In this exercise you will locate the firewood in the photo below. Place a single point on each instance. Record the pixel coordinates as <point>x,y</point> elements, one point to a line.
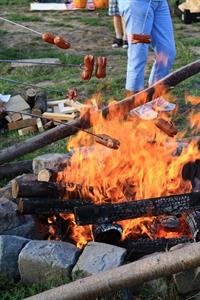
<point>15,117</point>
<point>17,104</point>
<point>30,97</point>
<point>57,116</point>
<point>36,189</point>
<point>27,130</point>
<point>141,247</point>
<point>48,206</point>
<point>22,124</point>
<point>40,105</point>
<point>128,275</point>
<point>47,175</point>
<point>16,168</point>
<point>121,108</point>
<point>97,214</point>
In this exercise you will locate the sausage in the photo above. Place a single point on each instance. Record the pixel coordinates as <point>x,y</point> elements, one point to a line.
<point>100,71</point>
<point>88,67</point>
<point>107,141</point>
<point>48,37</point>
<point>61,43</point>
<point>141,38</point>
<point>166,126</point>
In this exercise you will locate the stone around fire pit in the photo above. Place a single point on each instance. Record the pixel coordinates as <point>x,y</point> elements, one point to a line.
<point>13,224</point>
<point>98,257</point>
<point>52,161</point>
<point>10,247</point>
<point>40,260</point>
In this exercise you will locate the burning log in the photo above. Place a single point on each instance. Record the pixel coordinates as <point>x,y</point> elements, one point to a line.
<point>193,221</point>
<point>97,214</point>
<point>107,233</point>
<point>36,189</point>
<point>16,168</point>
<point>129,275</point>
<point>46,206</point>
<point>123,106</point>
<point>142,247</point>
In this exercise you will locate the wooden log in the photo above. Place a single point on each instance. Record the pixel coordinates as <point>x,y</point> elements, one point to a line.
<point>36,189</point>
<point>125,105</point>
<point>14,169</point>
<point>30,97</point>
<point>141,247</point>
<point>27,130</point>
<point>22,124</point>
<point>33,188</point>
<point>47,175</point>
<point>97,214</point>
<point>40,105</point>
<point>46,206</point>
<point>128,275</point>
<point>193,221</point>
<point>58,116</point>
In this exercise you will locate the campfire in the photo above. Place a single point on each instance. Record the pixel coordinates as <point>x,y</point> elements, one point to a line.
<point>142,196</point>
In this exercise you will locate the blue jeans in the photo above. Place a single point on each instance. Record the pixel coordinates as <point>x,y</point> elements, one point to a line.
<point>159,25</point>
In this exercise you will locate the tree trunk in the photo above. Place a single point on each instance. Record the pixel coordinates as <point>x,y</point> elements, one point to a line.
<point>16,168</point>
<point>129,275</point>
<point>48,206</point>
<point>122,107</point>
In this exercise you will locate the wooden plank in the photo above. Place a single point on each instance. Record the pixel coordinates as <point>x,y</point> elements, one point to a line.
<point>21,124</point>
<point>33,62</point>
<point>16,117</point>
<point>47,6</point>
<point>17,104</point>
<point>58,116</point>
<point>66,109</point>
<point>27,130</point>
<point>56,102</point>
<point>39,125</point>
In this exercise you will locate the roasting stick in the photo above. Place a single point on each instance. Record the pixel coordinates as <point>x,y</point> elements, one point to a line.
<point>47,37</point>
<point>18,61</point>
<point>102,139</point>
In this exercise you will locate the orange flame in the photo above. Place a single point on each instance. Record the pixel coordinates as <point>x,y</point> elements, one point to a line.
<point>143,167</point>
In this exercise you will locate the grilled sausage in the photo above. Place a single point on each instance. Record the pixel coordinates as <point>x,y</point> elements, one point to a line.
<point>100,71</point>
<point>88,67</point>
<point>48,37</point>
<point>61,43</point>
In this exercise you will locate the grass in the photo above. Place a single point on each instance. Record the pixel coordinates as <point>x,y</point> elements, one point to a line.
<point>10,290</point>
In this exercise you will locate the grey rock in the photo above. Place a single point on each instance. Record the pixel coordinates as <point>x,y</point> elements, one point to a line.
<point>97,257</point>
<point>187,281</point>
<point>10,247</point>
<point>11,223</point>
<point>53,161</point>
<point>40,260</point>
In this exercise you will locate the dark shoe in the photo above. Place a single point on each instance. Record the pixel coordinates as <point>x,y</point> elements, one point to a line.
<point>117,43</point>
<point>125,45</point>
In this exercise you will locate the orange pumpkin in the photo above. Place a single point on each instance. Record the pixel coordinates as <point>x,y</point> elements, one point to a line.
<point>80,3</point>
<point>100,3</point>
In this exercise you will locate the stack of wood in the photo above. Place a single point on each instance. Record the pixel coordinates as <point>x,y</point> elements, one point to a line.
<point>35,103</point>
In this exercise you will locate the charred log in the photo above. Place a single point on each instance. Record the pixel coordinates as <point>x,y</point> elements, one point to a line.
<point>142,247</point>
<point>192,219</point>
<point>98,214</point>
<point>107,233</point>
<point>40,105</point>
<point>46,206</point>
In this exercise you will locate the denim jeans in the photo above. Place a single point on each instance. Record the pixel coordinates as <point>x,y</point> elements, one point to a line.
<point>159,25</point>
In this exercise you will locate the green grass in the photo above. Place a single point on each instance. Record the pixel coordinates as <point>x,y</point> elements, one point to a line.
<point>10,290</point>
<point>24,18</point>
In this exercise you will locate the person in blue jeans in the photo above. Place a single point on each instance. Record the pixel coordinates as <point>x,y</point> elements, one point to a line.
<point>148,17</point>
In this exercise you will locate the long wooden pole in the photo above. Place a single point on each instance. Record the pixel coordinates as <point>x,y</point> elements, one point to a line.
<point>129,275</point>
<point>122,107</point>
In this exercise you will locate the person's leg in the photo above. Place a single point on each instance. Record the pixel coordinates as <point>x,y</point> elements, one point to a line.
<point>162,42</point>
<point>113,10</point>
<point>134,13</point>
